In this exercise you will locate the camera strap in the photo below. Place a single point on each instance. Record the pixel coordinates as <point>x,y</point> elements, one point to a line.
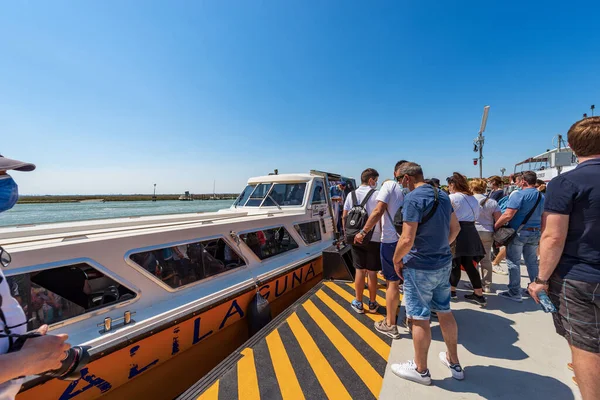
<point>6,333</point>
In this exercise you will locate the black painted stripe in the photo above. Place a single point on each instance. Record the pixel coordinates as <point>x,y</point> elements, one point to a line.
<point>376,361</point>
<point>306,377</point>
<point>228,385</point>
<point>353,383</point>
<point>268,385</point>
<point>366,321</point>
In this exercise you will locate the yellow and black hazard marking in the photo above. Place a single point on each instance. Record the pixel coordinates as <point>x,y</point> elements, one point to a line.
<point>318,349</point>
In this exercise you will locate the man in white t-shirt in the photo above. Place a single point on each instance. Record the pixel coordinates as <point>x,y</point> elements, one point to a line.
<point>389,200</point>
<point>365,258</point>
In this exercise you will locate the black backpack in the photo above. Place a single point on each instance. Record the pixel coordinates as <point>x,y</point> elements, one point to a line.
<point>397,221</point>
<point>357,218</point>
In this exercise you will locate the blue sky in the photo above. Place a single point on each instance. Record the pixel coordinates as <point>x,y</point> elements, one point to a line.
<point>113,96</point>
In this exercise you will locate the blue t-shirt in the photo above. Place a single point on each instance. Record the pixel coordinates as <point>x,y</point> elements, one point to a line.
<point>577,193</point>
<point>523,201</point>
<point>431,249</point>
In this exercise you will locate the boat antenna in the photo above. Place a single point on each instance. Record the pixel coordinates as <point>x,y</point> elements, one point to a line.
<point>592,107</point>
<point>480,139</point>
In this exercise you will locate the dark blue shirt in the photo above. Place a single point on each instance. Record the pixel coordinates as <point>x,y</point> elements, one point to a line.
<point>431,249</point>
<point>497,194</point>
<point>524,201</point>
<point>577,193</point>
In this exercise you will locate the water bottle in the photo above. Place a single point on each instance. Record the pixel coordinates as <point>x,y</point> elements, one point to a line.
<point>545,302</point>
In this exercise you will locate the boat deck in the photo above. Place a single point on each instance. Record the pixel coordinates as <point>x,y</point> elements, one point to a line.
<point>319,348</point>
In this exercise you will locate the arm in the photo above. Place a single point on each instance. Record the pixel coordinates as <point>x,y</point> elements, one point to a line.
<point>405,243</point>
<point>497,215</point>
<point>38,355</point>
<point>508,215</point>
<point>344,215</point>
<point>454,228</point>
<point>552,243</point>
<point>374,218</point>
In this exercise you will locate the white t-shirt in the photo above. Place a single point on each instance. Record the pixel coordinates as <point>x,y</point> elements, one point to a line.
<point>390,194</point>
<point>14,316</point>
<point>361,193</point>
<point>465,207</point>
<point>485,221</point>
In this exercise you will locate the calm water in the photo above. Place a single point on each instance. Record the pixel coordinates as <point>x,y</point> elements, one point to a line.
<point>60,212</point>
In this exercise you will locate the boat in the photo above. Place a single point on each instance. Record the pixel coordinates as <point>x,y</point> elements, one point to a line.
<point>551,163</point>
<point>186,196</point>
<point>158,301</point>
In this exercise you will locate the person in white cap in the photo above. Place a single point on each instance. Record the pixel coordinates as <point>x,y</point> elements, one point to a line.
<point>39,354</point>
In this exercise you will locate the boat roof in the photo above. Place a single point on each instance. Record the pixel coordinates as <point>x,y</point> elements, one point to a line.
<point>543,157</point>
<point>283,178</point>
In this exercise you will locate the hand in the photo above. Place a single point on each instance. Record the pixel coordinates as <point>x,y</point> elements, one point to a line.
<point>358,239</point>
<point>398,267</point>
<point>534,289</point>
<point>44,353</point>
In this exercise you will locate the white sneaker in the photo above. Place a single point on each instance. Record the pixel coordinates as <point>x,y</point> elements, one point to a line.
<point>408,370</point>
<point>456,369</point>
<point>499,270</point>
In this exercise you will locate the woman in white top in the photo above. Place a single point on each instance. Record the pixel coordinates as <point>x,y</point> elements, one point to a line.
<point>489,212</point>
<point>469,249</point>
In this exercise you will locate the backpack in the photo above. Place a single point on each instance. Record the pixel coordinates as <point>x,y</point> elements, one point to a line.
<point>398,220</point>
<point>357,219</point>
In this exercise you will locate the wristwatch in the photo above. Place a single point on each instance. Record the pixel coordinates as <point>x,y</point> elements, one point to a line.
<point>362,232</point>
<point>541,282</point>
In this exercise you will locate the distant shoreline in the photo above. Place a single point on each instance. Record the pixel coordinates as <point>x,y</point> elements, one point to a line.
<point>36,199</point>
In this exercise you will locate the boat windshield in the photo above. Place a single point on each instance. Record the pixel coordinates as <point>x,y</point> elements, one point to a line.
<point>272,195</point>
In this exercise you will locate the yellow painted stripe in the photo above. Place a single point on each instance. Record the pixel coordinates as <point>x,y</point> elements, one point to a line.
<point>286,377</point>
<point>368,335</point>
<point>247,379</point>
<point>360,365</point>
<point>347,296</point>
<point>212,393</point>
<point>330,382</point>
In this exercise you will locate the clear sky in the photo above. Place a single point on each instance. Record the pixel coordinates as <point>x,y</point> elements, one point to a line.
<point>113,96</point>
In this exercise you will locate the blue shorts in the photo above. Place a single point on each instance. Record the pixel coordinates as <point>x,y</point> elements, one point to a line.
<point>387,262</point>
<point>426,291</point>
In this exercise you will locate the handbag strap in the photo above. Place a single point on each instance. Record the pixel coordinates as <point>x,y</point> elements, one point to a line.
<point>530,212</point>
<point>436,201</point>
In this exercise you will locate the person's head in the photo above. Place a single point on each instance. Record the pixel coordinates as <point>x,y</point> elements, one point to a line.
<point>478,186</point>
<point>435,182</point>
<point>529,179</point>
<point>342,185</point>
<point>409,174</point>
<point>542,188</point>
<point>495,181</point>
<point>369,177</point>
<point>539,183</point>
<point>584,137</point>
<point>517,179</point>
<point>457,183</point>
<point>9,191</point>
<point>397,167</point>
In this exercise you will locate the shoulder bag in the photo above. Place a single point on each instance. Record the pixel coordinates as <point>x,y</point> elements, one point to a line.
<point>504,235</point>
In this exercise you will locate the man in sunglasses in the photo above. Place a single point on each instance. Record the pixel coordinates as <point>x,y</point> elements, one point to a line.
<point>39,354</point>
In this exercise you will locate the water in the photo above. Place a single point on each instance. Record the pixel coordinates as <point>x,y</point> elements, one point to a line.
<point>60,212</point>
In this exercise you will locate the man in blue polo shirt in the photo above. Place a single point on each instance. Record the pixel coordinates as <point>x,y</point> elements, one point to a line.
<point>525,244</point>
<point>570,255</point>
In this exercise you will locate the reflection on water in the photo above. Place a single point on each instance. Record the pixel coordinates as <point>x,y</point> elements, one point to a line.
<point>59,212</point>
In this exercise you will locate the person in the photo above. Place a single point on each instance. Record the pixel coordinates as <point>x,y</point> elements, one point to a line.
<point>496,185</point>
<point>469,249</point>
<point>424,259</point>
<point>525,243</point>
<point>365,257</point>
<point>38,354</point>
<point>489,212</point>
<point>570,255</point>
<point>389,201</point>
<point>338,195</point>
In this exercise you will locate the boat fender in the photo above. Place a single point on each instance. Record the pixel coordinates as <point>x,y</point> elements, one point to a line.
<point>259,313</point>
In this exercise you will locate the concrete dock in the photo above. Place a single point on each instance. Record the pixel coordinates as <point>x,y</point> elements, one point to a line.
<point>508,350</point>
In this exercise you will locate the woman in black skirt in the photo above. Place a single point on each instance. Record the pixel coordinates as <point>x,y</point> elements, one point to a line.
<point>468,250</point>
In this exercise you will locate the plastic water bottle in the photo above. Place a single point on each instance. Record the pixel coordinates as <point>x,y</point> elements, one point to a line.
<point>545,302</point>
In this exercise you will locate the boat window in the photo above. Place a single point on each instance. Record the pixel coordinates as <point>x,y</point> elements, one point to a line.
<point>257,196</point>
<point>318,196</point>
<point>269,242</point>
<point>310,231</point>
<point>241,200</point>
<point>187,263</point>
<point>286,194</point>
<point>57,294</point>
